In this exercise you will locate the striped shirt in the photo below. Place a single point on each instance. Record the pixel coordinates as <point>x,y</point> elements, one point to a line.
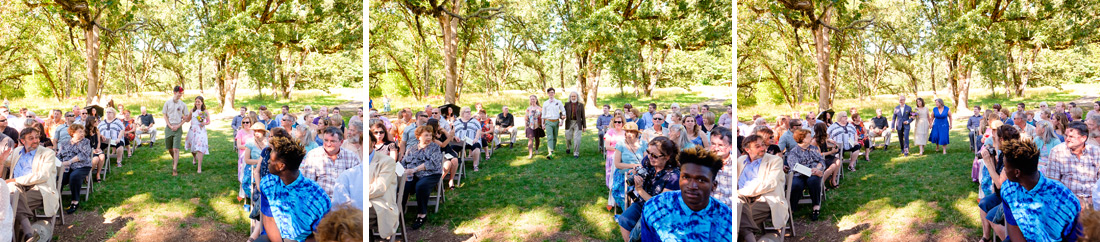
<point>725,192</point>
<point>111,130</point>
<point>1079,174</point>
<point>467,129</point>
<point>318,167</point>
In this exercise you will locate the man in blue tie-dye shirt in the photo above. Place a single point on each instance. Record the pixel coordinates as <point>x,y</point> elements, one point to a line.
<point>292,204</point>
<point>689,214</point>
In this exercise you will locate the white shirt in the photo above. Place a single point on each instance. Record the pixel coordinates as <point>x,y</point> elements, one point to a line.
<point>174,110</point>
<point>552,109</point>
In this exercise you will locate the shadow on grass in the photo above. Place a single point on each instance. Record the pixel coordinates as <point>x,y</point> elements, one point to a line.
<point>513,198</point>
<point>907,198</point>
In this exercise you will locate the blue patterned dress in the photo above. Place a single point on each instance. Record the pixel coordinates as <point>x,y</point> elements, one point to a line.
<point>1048,212</point>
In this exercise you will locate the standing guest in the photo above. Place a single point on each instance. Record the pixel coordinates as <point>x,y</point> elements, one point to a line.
<point>1045,140</point>
<point>759,187</point>
<point>61,131</point>
<point>1075,163</point>
<point>614,136</point>
<point>628,155</point>
<point>655,130</point>
<point>727,119</point>
<point>33,182</point>
<point>324,165</point>
<point>662,175</point>
<point>921,125</point>
<point>1035,207</point>
<point>76,155</point>
<point>808,155</point>
<point>1092,123</point>
<point>110,134</point>
<point>196,136</point>
<point>695,114</point>
<point>505,124</point>
<point>55,119</point>
<point>423,170</point>
<point>534,124</point>
<point>689,214</point>
<point>845,135</point>
<point>174,115</point>
<point>574,124</point>
<point>292,205</point>
<point>902,115</point>
<point>486,133</point>
<point>721,140</point>
<point>236,124</point>
<point>972,127</point>
<point>146,120</point>
<point>602,122</point>
<point>941,126</point>
<point>695,132</point>
<point>880,127</point>
<point>552,111</point>
<point>382,210</point>
<point>647,118</point>
<point>380,142</point>
<point>354,142</point>
<point>242,140</point>
<point>467,138</point>
<point>708,122</point>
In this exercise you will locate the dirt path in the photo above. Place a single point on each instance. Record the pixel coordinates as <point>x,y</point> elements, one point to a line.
<point>92,226</point>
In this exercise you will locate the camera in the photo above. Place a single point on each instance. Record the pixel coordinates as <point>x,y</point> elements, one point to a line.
<point>638,171</point>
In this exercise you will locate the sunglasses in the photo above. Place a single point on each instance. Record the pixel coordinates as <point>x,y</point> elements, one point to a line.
<point>246,122</point>
<point>658,119</point>
<point>423,116</point>
<point>68,116</point>
<point>655,156</point>
<point>379,132</point>
<point>618,122</point>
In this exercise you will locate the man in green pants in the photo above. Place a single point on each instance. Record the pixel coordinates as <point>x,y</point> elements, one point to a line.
<point>552,112</point>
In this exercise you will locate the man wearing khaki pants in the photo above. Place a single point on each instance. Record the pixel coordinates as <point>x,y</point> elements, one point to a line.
<point>174,114</point>
<point>551,118</point>
<point>574,124</point>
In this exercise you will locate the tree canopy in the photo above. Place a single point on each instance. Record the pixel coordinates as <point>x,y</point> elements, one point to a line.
<point>832,49</point>
<point>64,48</point>
<point>421,48</point>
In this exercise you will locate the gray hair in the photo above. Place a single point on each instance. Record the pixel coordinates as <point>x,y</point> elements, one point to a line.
<point>1095,119</point>
<point>356,125</point>
<point>683,140</point>
<point>760,121</point>
<point>1048,131</point>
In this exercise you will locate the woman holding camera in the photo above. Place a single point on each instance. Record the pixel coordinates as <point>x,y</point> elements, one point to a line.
<point>808,155</point>
<point>628,155</point>
<point>660,172</point>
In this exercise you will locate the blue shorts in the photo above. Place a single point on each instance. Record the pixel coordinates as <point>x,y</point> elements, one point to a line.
<point>991,205</point>
<point>630,216</point>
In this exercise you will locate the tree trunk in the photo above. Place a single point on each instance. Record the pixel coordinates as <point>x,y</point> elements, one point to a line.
<point>821,44</point>
<point>49,78</point>
<point>582,73</point>
<point>1027,72</point>
<point>448,25</point>
<point>91,61</point>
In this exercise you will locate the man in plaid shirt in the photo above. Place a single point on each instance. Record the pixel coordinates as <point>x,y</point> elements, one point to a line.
<point>720,144</point>
<point>325,164</point>
<point>1075,163</point>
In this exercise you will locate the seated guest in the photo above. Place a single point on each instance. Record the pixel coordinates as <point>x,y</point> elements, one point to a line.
<point>662,175</point>
<point>33,185</point>
<point>677,133</point>
<point>146,122</point>
<point>128,134</point>
<point>1075,163</point>
<point>628,155</point>
<point>60,132</point>
<point>76,154</point>
<point>382,208</point>
<point>342,224</point>
<point>992,212</point>
<point>767,134</point>
<point>880,129</point>
<point>486,133</point>
<point>656,128</point>
<point>808,155</point>
<point>760,188</point>
<point>1035,208</point>
<point>690,214</point>
<point>845,135</point>
<point>466,136</point>
<point>292,205</point>
<point>380,142</point>
<point>325,164</point>
<point>423,169</point>
<point>110,133</point>
<point>7,219</point>
<point>354,142</point>
<point>721,144</point>
<point>505,124</point>
<point>787,141</point>
<point>1045,141</point>
<point>861,137</point>
<point>43,140</point>
<point>829,149</point>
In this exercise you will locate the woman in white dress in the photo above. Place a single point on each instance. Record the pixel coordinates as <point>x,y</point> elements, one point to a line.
<point>921,126</point>
<point>196,136</point>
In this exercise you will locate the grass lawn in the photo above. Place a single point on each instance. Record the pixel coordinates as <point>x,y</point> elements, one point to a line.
<point>899,198</point>
<point>142,201</point>
<point>517,101</point>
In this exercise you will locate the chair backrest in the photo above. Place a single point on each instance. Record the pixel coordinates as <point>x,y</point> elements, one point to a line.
<point>400,191</point>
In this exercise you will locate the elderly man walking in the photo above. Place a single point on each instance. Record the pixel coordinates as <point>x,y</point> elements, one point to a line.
<point>574,124</point>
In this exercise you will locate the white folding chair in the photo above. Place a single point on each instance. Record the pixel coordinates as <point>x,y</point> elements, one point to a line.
<point>60,209</point>
<point>787,226</point>
<point>85,189</point>
<point>401,230</point>
<point>433,200</point>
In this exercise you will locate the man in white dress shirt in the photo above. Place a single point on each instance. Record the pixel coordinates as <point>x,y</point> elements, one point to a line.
<point>552,112</point>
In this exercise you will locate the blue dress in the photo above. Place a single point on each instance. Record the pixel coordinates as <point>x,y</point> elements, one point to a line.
<point>618,189</point>
<point>940,129</point>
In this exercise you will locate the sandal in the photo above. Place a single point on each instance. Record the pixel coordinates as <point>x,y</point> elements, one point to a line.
<point>851,168</point>
<point>419,222</point>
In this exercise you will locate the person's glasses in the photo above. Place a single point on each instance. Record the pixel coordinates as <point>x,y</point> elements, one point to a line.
<point>654,155</point>
<point>378,132</point>
<point>423,116</point>
<point>618,122</point>
<point>658,119</point>
<point>68,116</point>
<point>246,122</point>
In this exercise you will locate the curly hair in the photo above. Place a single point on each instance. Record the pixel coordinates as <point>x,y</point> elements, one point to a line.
<point>344,224</point>
<point>288,152</point>
<point>1022,154</point>
<point>702,157</point>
